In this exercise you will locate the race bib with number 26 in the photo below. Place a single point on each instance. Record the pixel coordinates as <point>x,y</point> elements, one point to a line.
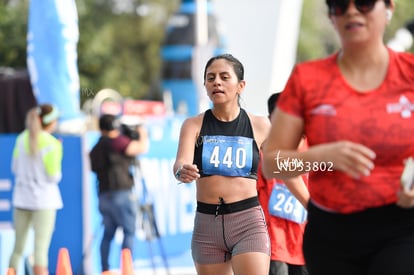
<point>284,205</point>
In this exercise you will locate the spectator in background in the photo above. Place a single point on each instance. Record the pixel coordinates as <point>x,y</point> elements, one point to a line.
<point>285,216</point>
<point>111,159</point>
<point>37,166</point>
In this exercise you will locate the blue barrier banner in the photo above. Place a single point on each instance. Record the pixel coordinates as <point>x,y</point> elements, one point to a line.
<point>52,54</point>
<point>6,179</point>
<point>79,223</point>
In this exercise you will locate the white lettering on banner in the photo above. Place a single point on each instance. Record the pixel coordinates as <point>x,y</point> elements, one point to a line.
<point>175,129</point>
<point>5,205</point>
<point>5,185</point>
<point>187,204</point>
<point>156,132</point>
<point>174,205</point>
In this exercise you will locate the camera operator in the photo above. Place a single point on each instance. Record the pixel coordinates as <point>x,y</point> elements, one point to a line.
<point>111,160</point>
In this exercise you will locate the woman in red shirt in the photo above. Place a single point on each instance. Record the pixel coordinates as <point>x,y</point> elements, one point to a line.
<point>355,108</point>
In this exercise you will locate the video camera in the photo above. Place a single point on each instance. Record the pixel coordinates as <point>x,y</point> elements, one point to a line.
<point>130,131</point>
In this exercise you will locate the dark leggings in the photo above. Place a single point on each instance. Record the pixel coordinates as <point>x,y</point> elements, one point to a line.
<point>281,268</point>
<point>371,242</point>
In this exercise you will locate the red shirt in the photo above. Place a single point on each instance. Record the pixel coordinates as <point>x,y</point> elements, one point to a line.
<point>381,119</point>
<point>286,237</point>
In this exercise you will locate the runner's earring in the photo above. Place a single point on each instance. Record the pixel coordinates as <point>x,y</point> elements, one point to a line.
<point>389,15</point>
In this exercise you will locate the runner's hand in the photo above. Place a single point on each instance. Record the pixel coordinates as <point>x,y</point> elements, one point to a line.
<point>405,198</point>
<point>354,159</point>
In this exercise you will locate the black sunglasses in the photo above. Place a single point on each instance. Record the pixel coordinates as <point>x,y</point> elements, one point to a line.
<point>339,7</point>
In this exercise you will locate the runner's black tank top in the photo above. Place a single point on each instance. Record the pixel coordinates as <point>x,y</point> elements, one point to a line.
<point>226,148</point>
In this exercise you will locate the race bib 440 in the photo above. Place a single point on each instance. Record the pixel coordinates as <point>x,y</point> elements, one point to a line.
<point>227,155</point>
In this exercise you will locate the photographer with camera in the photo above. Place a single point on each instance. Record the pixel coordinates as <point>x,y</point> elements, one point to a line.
<point>111,159</point>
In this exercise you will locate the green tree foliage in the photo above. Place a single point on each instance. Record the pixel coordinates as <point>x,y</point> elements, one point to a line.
<point>13,31</point>
<point>120,40</point>
<point>119,46</point>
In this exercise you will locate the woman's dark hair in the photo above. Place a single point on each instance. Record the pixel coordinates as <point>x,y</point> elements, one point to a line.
<point>237,65</point>
<point>47,113</point>
<point>107,122</point>
<point>271,102</point>
<point>38,118</point>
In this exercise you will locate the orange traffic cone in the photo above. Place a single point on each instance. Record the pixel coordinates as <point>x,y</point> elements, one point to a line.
<point>63,264</point>
<point>11,271</point>
<point>126,262</point>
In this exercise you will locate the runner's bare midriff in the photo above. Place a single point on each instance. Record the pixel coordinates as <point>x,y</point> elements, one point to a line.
<point>229,188</point>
